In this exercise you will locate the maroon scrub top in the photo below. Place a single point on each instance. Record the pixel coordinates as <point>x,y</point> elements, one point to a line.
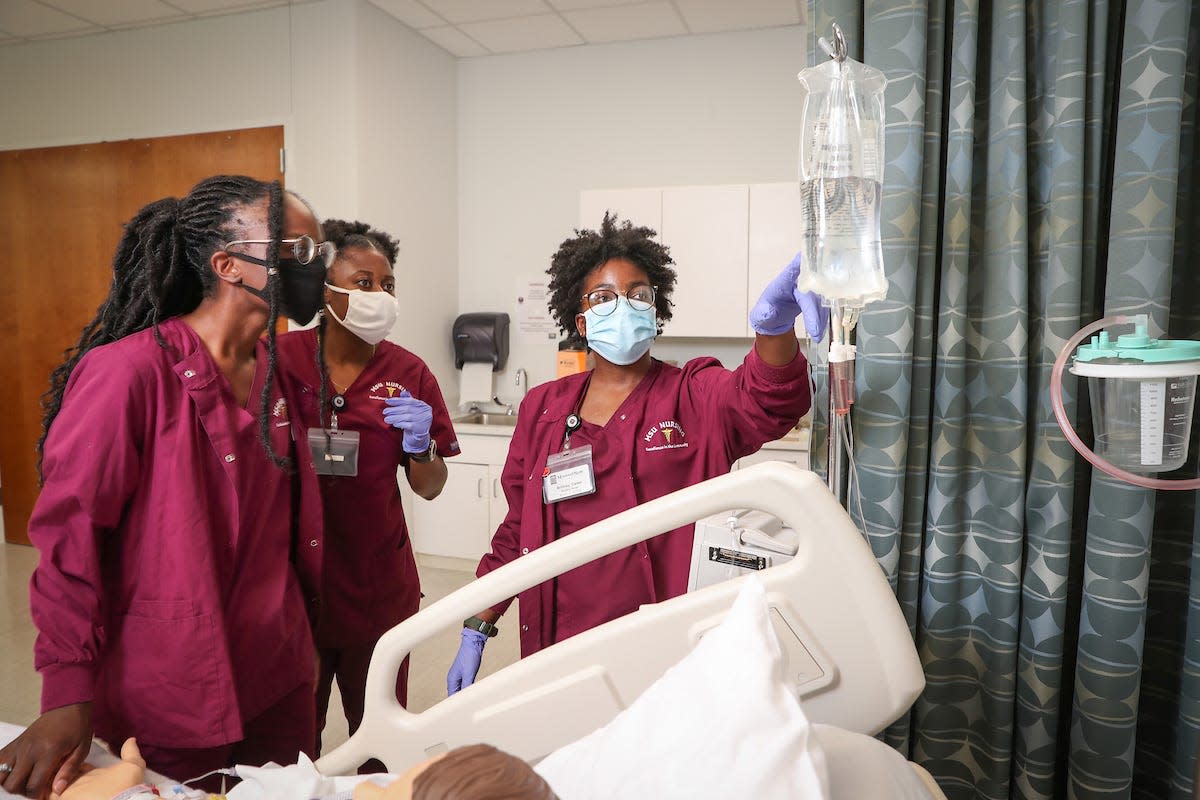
<point>173,577</point>
<point>678,427</point>
<point>370,582</point>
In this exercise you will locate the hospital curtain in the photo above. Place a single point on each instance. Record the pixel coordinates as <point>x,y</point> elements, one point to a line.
<point>1042,163</point>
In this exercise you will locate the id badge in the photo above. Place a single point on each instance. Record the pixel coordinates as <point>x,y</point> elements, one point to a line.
<point>568,474</point>
<point>335,455</point>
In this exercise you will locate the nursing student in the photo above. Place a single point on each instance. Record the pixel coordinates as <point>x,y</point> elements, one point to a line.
<point>374,408</point>
<point>171,593</point>
<point>641,427</point>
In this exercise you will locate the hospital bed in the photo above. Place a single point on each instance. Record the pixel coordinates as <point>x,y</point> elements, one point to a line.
<point>846,643</point>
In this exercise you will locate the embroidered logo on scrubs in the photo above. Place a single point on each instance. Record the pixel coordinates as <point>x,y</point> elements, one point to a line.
<point>280,412</point>
<point>665,435</point>
<point>385,389</point>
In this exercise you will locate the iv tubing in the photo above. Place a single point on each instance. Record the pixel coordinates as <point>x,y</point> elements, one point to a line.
<point>1060,414</point>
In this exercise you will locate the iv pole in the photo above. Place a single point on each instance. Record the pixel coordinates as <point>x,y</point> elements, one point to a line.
<point>841,354</point>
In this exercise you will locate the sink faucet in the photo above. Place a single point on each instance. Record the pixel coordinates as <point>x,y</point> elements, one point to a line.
<point>523,381</point>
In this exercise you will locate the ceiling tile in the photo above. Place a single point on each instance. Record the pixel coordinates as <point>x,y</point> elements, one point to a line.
<point>621,23</point>
<point>454,41</point>
<point>69,34</point>
<point>458,11</point>
<point>524,33</point>
<point>243,6</point>
<point>27,18</point>
<point>218,6</point>
<point>116,12</point>
<point>573,5</point>
<point>710,16</point>
<point>410,12</point>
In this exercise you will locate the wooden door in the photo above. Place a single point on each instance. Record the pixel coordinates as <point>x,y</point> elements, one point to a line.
<point>64,208</point>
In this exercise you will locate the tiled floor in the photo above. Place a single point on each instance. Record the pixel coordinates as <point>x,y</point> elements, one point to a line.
<point>20,685</point>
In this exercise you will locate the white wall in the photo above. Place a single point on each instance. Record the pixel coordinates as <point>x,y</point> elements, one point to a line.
<point>476,164</point>
<point>368,108</point>
<point>537,128</point>
<point>407,145</point>
<point>241,71</point>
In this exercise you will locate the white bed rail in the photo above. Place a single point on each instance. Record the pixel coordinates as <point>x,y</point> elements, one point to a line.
<point>847,643</point>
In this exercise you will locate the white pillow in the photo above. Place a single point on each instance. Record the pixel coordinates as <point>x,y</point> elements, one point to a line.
<point>722,723</point>
<point>863,768</point>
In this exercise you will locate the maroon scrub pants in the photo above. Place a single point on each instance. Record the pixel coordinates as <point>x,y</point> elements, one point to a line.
<point>349,666</point>
<point>278,734</point>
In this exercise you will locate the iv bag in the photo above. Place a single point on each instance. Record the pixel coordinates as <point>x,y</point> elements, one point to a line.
<point>841,180</point>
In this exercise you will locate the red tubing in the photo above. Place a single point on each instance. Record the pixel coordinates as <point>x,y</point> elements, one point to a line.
<point>1060,414</point>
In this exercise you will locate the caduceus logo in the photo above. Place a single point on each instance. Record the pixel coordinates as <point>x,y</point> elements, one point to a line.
<point>385,389</point>
<point>673,436</point>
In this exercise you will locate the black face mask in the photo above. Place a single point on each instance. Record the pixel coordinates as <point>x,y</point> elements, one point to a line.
<point>302,290</point>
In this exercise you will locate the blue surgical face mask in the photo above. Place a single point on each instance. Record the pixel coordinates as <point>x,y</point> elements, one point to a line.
<point>623,336</point>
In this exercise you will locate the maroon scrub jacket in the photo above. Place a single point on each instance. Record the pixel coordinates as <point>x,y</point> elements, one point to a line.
<point>179,567</point>
<point>370,581</point>
<point>680,426</point>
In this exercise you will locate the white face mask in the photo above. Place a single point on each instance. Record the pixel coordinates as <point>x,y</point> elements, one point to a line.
<point>369,315</point>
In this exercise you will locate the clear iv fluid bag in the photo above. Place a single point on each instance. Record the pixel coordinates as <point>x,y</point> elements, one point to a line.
<point>841,180</point>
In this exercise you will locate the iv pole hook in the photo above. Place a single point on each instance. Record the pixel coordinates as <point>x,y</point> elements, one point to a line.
<point>837,51</point>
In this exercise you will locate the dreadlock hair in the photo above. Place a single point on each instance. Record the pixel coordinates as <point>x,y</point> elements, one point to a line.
<point>577,257</point>
<point>275,233</point>
<point>160,270</point>
<point>345,235</point>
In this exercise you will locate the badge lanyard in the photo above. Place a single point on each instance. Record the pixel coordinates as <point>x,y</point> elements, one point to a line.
<point>569,473</point>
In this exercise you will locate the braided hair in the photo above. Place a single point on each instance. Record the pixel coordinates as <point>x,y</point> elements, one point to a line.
<point>275,233</point>
<point>161,270</point>
<point>344,235</point>
<point>577,257</point>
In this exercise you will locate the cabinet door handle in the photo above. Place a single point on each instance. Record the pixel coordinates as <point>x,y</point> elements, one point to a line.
<point>479,487</point>
<point>495,487</point>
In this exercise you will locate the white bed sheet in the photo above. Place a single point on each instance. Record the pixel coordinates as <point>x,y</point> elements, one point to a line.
<point>98,757</point>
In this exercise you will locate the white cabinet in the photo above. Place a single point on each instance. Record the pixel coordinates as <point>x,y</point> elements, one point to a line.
<point>459,522</point>
<point>793,448</point>
<point>728,242</point>
<point>705,227</point>
<point>774,237</point>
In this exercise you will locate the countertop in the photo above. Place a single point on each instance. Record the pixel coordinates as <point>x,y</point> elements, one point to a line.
<point>795,439</point>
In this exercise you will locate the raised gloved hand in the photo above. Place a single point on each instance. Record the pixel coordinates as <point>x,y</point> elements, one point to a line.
<point>466,664</point>
<point>412,416</point>
<point>781,302</point>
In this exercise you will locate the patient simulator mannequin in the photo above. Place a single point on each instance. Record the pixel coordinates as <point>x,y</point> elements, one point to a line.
<point>475,772</point>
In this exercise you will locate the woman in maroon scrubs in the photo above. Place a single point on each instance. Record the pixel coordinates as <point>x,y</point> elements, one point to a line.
<point>380,404</point>
<point>170,594</point>
<point>635,428</point>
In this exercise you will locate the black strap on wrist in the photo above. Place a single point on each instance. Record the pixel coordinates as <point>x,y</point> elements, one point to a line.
<point>476,624</point>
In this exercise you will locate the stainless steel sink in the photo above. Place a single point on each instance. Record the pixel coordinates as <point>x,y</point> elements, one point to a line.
<point>482,418</point>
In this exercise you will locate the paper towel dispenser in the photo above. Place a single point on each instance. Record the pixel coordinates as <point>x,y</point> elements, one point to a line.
<point>481,337</point>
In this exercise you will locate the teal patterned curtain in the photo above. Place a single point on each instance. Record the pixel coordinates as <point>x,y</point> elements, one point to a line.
<point>1042,161</point>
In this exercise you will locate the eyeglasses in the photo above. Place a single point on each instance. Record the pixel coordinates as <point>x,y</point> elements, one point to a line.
<point>304,249</point>
<point>604,301</point>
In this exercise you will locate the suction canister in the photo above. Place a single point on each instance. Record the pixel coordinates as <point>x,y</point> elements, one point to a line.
<point>1143,392</point>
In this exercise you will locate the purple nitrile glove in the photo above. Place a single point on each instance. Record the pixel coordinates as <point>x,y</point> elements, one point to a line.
<point>781,302</point>
<point>412,416</point>
<point>466,664</point>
